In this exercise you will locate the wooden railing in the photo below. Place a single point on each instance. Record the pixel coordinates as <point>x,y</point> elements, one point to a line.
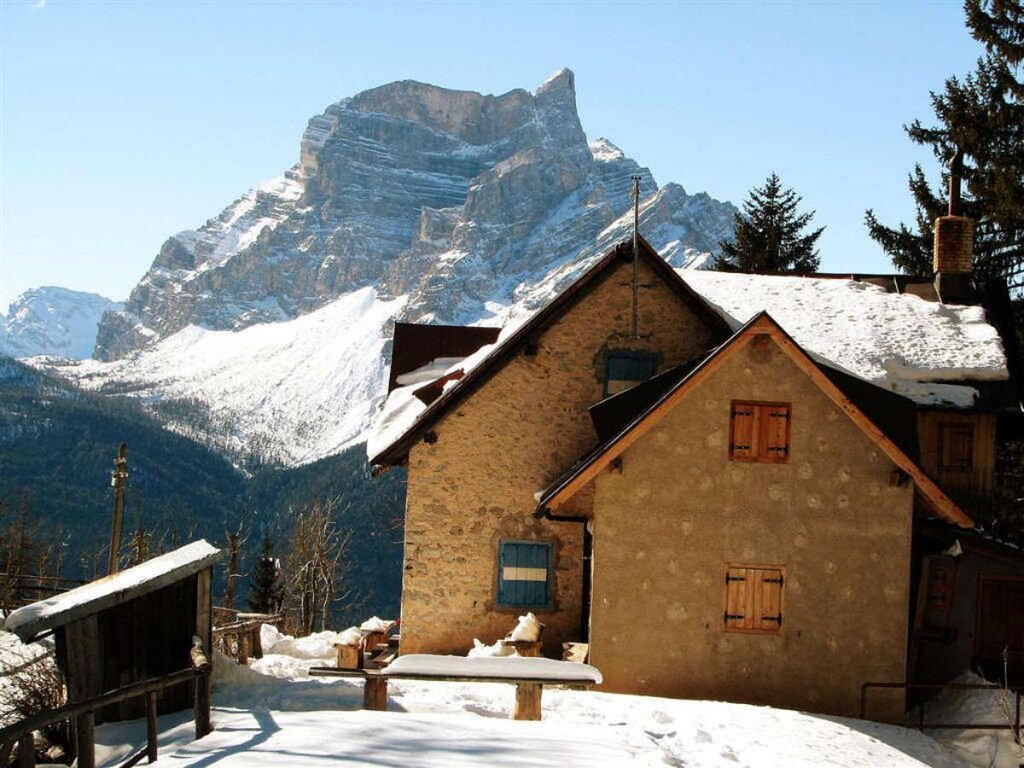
<point>241,639</point>
<point>21,735</point>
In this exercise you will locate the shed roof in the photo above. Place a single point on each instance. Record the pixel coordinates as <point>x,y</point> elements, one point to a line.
<point>31,620</point>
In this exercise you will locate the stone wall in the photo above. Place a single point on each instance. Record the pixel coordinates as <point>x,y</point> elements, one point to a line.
<point>512,437</point>
<point>680,510</point>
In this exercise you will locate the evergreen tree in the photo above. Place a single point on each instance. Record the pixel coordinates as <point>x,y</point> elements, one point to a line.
<point>267,594</point>
<point>982,116</point>
<point>768,235</point>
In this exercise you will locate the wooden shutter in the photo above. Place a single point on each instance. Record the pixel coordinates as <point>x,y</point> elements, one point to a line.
<point>524,574</point>
<point>767,595</point>
<point>753,599</point>
<point>775,431</point>
<point>743,432</point>
<point>736,615</point>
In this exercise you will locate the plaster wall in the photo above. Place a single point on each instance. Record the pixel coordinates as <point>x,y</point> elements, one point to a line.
<point>680,510</point>
<point>520,430</point>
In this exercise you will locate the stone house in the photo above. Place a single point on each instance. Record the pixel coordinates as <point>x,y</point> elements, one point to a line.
<point>713,479</point>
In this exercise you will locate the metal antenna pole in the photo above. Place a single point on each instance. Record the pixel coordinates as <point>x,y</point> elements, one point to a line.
<point>636,250</point>
<point>117,479</point>
<point>956,172</point>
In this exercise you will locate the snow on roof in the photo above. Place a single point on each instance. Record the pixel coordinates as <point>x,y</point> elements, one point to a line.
<point>29,621</point>
<point>510,667</point>
<point>920,349</point>
<point>911,346</point>
<point>402,408</point>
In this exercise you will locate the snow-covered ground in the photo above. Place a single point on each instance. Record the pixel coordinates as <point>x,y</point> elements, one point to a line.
<point>273,714</point>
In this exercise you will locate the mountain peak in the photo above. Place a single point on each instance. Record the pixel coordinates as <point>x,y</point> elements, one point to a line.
<point>51,320</point>
<point>454,198</point>
<point>563,80</point>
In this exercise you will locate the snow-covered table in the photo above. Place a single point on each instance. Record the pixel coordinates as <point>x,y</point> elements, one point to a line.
<point>529,675</point>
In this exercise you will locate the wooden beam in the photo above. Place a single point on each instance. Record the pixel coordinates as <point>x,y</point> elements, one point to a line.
<point>617,448</point>
<point>941,503</point>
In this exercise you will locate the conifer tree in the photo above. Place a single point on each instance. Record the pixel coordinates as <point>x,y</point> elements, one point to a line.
<point>267,586</point>
<point>769,234</point>
<point>981,115</point>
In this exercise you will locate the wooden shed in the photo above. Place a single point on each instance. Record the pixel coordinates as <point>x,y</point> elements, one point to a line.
<point>969,605</point>
<point>132,626</point>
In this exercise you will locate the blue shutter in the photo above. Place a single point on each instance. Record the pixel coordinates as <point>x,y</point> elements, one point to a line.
<point>533,589</point>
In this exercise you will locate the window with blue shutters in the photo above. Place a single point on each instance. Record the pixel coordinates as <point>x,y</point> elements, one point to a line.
<point>524,574</point>
<point>623,369</point>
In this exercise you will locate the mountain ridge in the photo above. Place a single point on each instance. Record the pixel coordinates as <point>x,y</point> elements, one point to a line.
<point>51,320</point>
<point>266,331</point>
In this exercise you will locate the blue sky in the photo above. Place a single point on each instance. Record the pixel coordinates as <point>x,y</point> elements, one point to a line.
<point>124,122</point>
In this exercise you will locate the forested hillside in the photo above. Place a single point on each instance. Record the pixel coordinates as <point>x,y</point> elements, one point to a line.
<point>57,444</point>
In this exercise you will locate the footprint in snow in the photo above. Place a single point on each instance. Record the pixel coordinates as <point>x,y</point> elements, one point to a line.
<point>703,737</point>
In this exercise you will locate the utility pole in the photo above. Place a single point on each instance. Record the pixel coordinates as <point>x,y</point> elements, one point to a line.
<point>636,251</point>
<point>118,478</point>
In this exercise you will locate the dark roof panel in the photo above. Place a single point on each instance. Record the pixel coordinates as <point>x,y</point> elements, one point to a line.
<point>416,345</point>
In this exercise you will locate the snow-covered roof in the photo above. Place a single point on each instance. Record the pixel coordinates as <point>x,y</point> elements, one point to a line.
<point>505,667</point>
<point>29,621</point>
<point>902,342</point>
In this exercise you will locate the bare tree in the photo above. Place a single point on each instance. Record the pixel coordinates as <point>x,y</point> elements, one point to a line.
<point>235,540</point>
<point>317,568</point>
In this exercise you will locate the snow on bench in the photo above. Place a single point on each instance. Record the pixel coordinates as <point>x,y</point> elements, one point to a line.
<point>528,674</point>
<point>492,669</point>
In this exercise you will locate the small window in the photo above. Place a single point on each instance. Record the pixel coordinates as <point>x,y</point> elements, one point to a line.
<point>624,369</point>
<point>956,446</point>
<point>753,598</point>
<point>759,432</point>
<point>524,574</point>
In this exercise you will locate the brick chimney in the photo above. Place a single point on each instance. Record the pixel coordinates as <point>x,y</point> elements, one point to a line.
<point>954,246</point>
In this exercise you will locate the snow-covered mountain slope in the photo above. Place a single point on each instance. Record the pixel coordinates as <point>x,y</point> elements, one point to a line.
<point>455,199</point>
<point>293,391</point>
<point>53,321</point>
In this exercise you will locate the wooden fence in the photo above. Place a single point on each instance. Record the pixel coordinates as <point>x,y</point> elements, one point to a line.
<point>241,639</point>
<point>21,735</point>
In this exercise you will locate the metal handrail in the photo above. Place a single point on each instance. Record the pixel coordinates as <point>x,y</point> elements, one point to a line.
<point>1015,726</point>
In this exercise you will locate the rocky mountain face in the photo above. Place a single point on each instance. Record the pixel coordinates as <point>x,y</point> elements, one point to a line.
<point>461,202</point>
<point>53,321</point>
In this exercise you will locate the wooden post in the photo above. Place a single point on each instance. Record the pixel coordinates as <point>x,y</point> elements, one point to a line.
<point>27,751</point>
<point>528,701</point>
<point>151,732</point>
<point>202,702</point>
<point>85,728</point>
<point>375,693</point>
<point>242,638</point>
<point>118,479</point>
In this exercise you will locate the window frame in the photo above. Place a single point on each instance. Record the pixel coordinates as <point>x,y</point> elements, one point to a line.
<point>748,599</point>
<point>763,455</point>
<point>549,586</point>
<point>628,354</point>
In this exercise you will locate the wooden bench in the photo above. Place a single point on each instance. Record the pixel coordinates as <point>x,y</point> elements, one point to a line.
<point>529,688</point>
